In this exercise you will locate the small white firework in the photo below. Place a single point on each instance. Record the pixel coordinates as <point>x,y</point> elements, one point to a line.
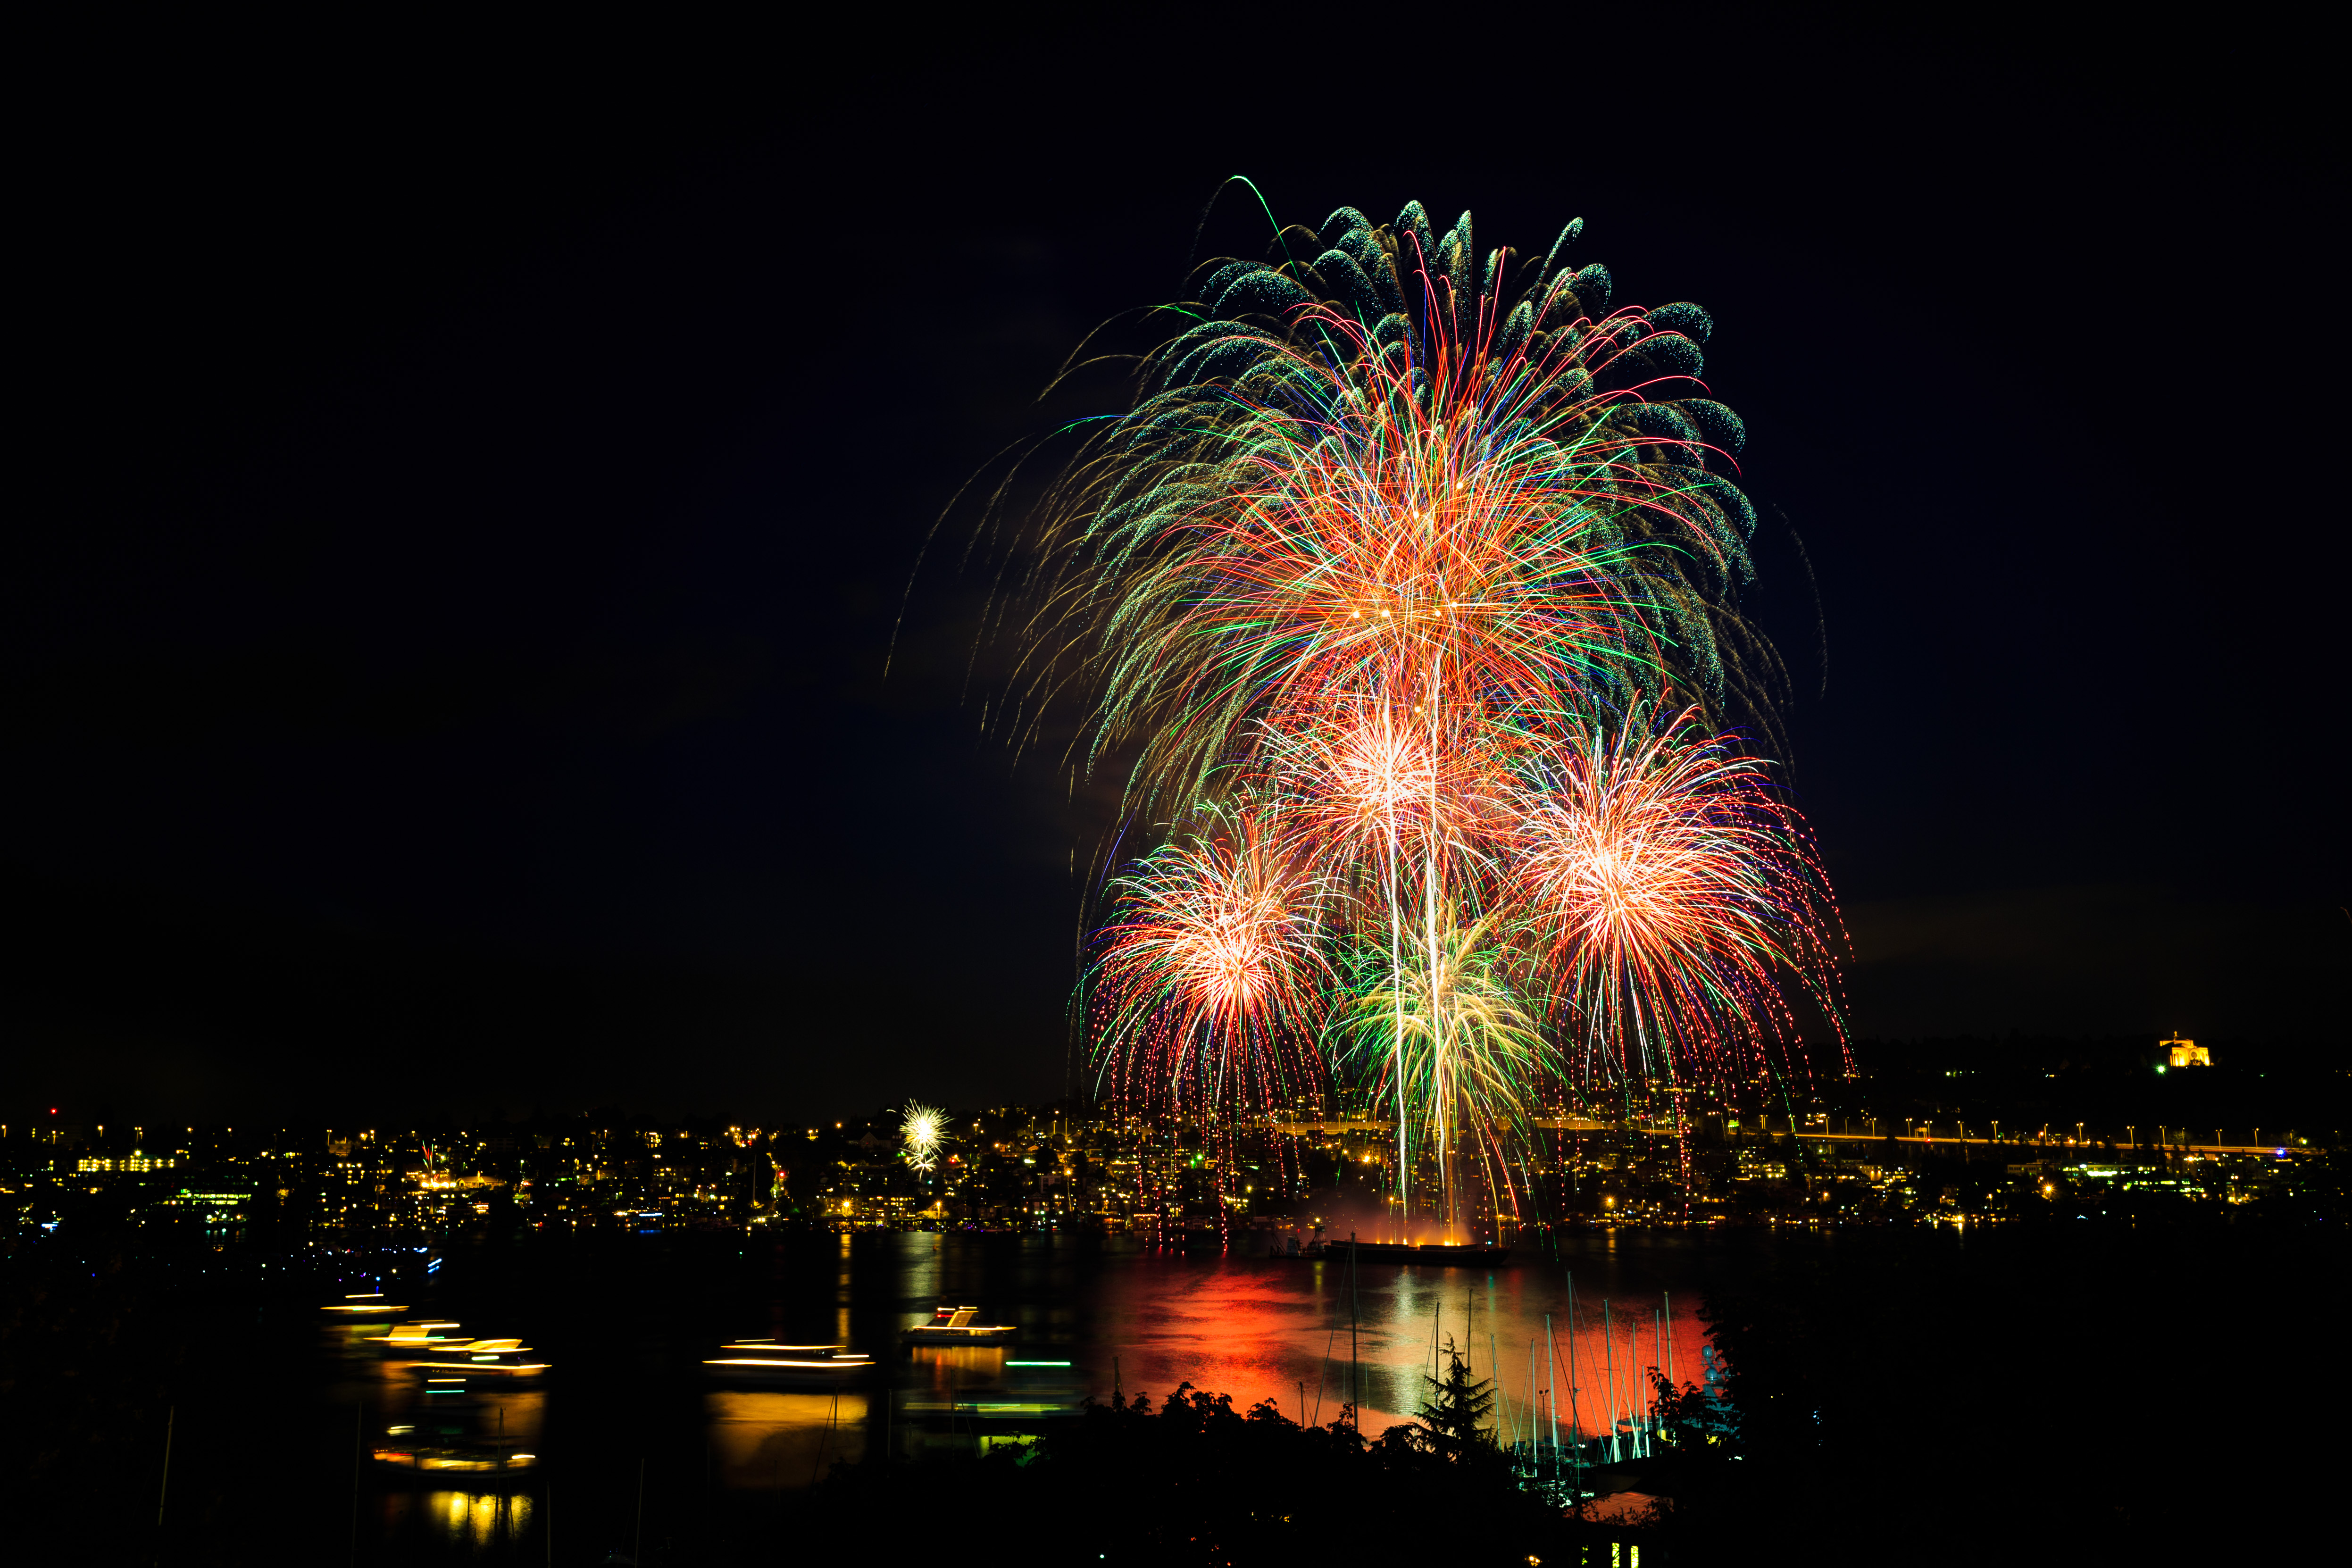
<point>921,1130</point>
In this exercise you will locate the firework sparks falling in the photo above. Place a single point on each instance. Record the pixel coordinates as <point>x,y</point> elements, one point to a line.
<point>1671,890</point>
<point>1210,969</point>
<point>1345,517</point>
<point>1386,577</point>
<point>1458,1047</point>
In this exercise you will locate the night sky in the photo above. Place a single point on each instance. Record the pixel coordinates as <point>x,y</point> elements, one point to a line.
<point>466,487</point>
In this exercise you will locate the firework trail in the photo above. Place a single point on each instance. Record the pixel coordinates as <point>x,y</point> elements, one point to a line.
<point>1668,892</point>
<point>1382,581</point>
<point>1397,807</point>
<point>1344,518</point>
<point>1457,1046</point>
<point>1204,980</point>
<point>1205,986</point>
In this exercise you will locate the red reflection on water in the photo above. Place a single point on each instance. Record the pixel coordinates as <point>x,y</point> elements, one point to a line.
<point>1280,1330</point>
<point>943,1370</point>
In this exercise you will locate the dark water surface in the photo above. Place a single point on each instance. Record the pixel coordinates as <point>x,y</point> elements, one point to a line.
<point>626,1327</point>
<point>645,1459</point>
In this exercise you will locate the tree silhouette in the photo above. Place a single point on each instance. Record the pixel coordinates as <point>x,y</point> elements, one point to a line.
<point>1452,1423</point>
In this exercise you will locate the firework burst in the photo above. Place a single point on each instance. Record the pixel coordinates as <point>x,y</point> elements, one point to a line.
<point>1205,979</point>
<point>1668,892</point>
<point>920,1132</point>
<point>1385,576</point>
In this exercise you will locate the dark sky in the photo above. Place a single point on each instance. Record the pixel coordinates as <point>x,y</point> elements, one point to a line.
<point>466,485</point>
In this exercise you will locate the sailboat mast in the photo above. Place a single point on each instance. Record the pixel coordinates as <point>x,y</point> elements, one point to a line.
<point>1642,1389</point>
<point>1609,1374</point>
<point>1531,1404</point>
<point>1658,1336</point>
<point>1575,1420</point>
<point>1355,1394</point>
<point>1495,1359</point>
<point>1633,1384</point>
<point>1552,1371</point>
<point>1666,1314</point>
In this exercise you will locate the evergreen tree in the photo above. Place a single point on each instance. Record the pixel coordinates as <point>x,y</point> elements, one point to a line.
<point>1452,1425</point>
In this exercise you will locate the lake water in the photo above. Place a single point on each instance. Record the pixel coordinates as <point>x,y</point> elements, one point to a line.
<point>627,1407</point>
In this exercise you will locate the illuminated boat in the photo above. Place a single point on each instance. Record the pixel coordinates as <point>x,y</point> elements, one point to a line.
<point>414,1339</point>
<point>366,1304</point>
<point>954,1326</point>
<point>405,1451</point>
<point>766,1361</point>
<point>506,1361</point>
<point>1443,1253</point>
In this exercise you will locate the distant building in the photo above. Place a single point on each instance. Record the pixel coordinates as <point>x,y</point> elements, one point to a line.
<point>137,1163</point>
<point>2185,1053</point>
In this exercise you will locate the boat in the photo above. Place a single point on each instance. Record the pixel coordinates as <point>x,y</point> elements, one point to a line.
<point>449,1442</point>
<point>468,1462</point>
<point>766,1361</point>
<point>954,1326</point>
<point>1443,1253</point>
<point>410,1338</point>
<point>509,1361</point>
<point>366,1304</point>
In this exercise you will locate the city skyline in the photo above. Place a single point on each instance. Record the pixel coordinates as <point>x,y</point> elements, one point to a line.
<point>1869,1154</point>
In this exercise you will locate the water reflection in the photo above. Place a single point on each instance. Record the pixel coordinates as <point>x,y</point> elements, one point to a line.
<point>643,1421</point>
<point>1286,1331</point>
<point>944,1371</point>
<point>762,1441</point>
<point>425,1428</point>
<point>477,1520</point>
